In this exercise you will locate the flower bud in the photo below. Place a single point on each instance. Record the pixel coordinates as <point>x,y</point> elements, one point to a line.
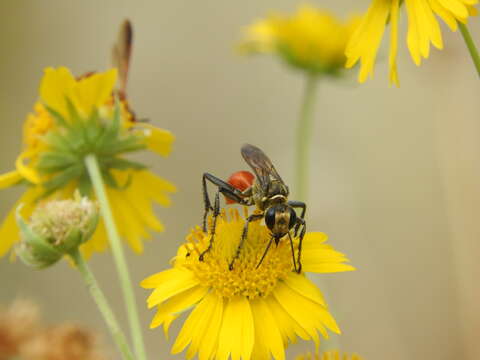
<point>56,228</point>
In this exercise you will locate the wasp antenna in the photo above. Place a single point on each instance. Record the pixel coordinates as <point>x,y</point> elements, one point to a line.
<point>265,253</point>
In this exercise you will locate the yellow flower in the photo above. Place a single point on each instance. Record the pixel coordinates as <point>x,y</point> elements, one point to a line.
<point>251,311</point>
<point>329,355</point>
<point>311,39</point>
<point>423,29</point>
<point>59,133</point>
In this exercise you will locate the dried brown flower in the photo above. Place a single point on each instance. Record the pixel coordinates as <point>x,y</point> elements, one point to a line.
<point>18,325</point>
<point>62,342</point>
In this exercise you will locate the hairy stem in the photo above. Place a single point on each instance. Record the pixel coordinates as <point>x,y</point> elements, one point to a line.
<point>102,304</point>
<point>118,255</point>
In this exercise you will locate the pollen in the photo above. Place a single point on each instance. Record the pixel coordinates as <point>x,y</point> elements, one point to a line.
<point>247,278</point>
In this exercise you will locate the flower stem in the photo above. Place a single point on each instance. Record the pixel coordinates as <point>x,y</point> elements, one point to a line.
<point>118,255</point>
<point>102,304</point>
<point>470,45</point>
<point>304,136</point>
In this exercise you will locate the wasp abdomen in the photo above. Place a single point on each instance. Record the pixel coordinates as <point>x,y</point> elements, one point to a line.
<point>240,180</point>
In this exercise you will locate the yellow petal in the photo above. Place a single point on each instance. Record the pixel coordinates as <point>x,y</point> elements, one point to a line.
<point>211,313</point>
<point>300,311</point>
<point>98,242</point>
<point>167,323</point>
<point>445,15</point>
<point>157,279</point>
<point>183,281</point>
<point>236,336</point>
<point>305,287</point>
<point>9,232</point>
<point>210,337</point>
<point>178,303</point>
<point>156,139</point>
<point>392,60</point>
<point>94,91</point>
<point>204,310</point>
<point>56,85</point>
<point>9,179</point>
<point>287,325</point>
<point>456,7</point>
<point>128,224</point>
<point>27,172</point>
<point>268,338</point>
<point>365,41</point>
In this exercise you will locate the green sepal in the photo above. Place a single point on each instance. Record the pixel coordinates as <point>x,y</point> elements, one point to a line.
<point>122,164</point>
<point>59,119</point>
<point>34,250</point>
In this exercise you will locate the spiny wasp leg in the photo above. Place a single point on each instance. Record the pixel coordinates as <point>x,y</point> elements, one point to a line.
<point>224,188</point>
<point>301,223</point>
<point>293,253</point>
<point>298,205</point>
<point>252,217</point>
<point>216,212</point>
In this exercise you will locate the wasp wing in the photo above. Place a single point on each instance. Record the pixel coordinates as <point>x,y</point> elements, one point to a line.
<point>260,164</point>
<point>121,53</point>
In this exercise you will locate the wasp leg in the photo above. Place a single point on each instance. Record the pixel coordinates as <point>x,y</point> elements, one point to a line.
<point>301,223</point>
<point>244,236</point>
<point>265,253</point>
<point>301,205</point>
<point>293,252</point>
<point>223,187</point>
<point>216,212</point>
<point>206,202</point>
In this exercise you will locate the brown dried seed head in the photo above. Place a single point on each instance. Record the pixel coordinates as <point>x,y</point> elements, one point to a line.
<point>18,325</point>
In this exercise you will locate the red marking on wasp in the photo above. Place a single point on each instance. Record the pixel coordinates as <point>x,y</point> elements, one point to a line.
<point>240,180</point>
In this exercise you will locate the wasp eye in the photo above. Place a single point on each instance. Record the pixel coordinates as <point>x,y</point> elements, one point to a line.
<point>293,218</point>
<point>270,218</point>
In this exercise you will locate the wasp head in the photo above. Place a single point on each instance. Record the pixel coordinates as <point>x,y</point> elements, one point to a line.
<point>280,219</point>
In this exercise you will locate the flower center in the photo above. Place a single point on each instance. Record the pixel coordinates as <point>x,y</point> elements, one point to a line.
<point>247,278</point>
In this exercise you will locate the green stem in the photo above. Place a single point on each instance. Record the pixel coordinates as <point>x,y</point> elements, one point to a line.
<point>303,142</point>
<point>470,45</point>
<point>102,304</point>
<point>118,255</point>
<point>304,136</point>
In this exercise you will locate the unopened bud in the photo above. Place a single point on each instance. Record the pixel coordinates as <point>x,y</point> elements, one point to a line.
<point>56,228</point>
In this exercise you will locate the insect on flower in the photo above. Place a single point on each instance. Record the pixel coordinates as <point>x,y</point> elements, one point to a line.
<point>121,54</point>
<point>267,191</point>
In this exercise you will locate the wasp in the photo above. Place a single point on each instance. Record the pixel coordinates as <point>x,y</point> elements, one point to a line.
<point>121,56</point>
<point>267,191</point>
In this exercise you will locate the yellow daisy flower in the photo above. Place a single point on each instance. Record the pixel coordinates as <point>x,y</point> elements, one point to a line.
<point>251,311</point>
<point>50,168</point>
<point>311,39</point>
<point>423,29</point>
<point>329,355</point>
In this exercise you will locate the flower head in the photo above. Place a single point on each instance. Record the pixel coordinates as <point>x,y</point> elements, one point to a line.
<point>423,29</point>
<point>251,311</point>
<point>57,227</point>
<point>74,118</point>
<point>311,39</point>
<point>328,355</point>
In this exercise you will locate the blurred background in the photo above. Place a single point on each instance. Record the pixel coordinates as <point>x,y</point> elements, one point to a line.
<point>394,180</point>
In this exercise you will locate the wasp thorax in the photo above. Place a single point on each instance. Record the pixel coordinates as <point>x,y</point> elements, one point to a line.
<point>280,219</point>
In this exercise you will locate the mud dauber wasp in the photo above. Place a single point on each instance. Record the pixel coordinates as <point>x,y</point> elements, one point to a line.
<point>267,191</point>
